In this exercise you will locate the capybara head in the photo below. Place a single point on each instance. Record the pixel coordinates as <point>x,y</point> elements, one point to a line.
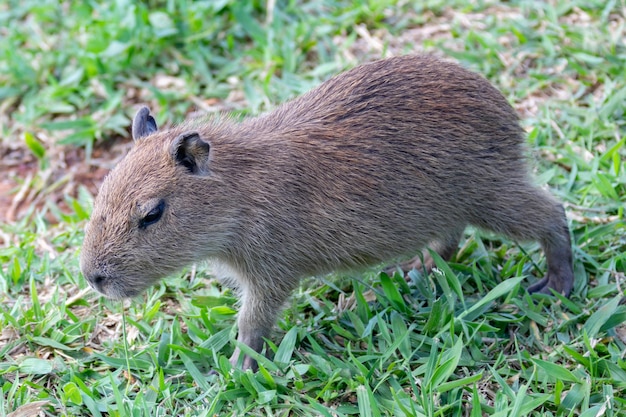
<point>144,221</point>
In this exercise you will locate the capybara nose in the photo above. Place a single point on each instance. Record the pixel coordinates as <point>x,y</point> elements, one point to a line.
<point>96,281</point>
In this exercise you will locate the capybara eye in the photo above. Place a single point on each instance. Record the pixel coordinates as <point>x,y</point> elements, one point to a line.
<point>153,215</point>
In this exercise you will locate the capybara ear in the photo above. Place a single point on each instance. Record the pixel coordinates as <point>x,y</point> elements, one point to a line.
<point>191,152</point>
<point>143,124</point>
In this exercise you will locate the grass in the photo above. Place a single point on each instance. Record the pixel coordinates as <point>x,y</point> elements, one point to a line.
<point>465,341</point>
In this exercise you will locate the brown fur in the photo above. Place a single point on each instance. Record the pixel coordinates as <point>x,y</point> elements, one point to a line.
<point>371,166</point>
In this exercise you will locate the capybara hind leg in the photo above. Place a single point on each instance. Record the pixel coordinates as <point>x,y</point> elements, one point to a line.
<point>560,276</point>
<point>425,262</point>
<point>526,213</point>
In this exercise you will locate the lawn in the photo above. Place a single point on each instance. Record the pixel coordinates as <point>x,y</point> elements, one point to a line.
<point>466,340</point>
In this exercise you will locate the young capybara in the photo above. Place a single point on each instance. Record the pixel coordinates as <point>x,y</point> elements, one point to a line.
<point>371,166</point>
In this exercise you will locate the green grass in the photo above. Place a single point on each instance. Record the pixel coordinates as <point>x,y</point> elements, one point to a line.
<point>465,341</point>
